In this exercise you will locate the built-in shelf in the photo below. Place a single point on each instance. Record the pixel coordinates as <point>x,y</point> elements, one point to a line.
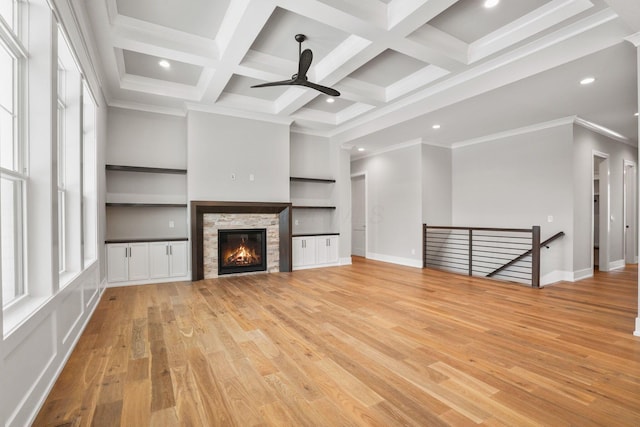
<point>148,240</point>
<point>145,169</point>
<point>313,207</point>
<point>321,180</point>
<point>315,234</point>
<point>148,205</point>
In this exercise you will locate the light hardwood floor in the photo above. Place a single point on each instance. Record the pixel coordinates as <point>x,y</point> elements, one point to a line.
<point>367,344</point>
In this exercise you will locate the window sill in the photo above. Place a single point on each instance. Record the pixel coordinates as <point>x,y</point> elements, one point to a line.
<point>66,277</point>
<point>19,311</point>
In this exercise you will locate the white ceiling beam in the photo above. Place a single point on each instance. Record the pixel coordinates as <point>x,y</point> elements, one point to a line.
<point>239,29</point>
<point>151,39</point>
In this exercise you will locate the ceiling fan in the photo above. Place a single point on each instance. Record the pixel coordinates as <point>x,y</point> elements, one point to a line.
<point>300,79</point>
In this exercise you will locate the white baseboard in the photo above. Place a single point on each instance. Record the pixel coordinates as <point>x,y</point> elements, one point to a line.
<point>186,278</point>
<point>582,274</point>
<point>555,277</point>
<point>617,264</point>
<point>637,331</point>
<point>409,262</point>
<point>345,260</point>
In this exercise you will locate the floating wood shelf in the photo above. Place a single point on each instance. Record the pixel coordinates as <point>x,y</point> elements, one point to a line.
<point>148,240</point>
<point>320,180</point>
<point>314,234</point>
<point>148,205</point>
<point>145,169</point>
<point>313,207</point>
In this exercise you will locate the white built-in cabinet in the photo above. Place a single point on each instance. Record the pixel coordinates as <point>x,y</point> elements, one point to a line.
<point>315,244</point>
<point>315,251</point>
<point>146,216</point>
<point>127,262</point>
<point>142,261</point>
<point>167,259</point>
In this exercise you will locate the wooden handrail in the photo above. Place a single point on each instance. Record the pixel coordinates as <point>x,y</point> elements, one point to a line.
<point>527,253</point>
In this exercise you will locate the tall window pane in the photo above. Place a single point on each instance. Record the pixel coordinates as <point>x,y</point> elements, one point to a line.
<point>11,238</point>
<point>8,149</point>
<point>7,11</point>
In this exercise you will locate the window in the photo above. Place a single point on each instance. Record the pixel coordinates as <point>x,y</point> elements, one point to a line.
<point>61,171</point>
<point>69,163</point>
<point>13,176</point>
<point>89,187</point>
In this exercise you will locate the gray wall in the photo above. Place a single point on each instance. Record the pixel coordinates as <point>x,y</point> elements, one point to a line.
<point>138,138</point>
<point>585,142</point>
<point>394,205</point>
<point>436,185</point>
<point>219,146</point>
<point>519,181</point>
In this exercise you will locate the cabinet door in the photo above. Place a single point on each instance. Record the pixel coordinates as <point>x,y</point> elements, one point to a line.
<point>297,251</point>
<point>333,255</point>
<point>158,260</point>
<point>177,259</point>
<point>309,251</point>
<point>139,261</point>
<point>321,250</point>
<point>117,262</point>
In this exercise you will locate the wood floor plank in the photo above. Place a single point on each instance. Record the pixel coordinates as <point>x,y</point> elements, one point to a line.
<point>371,344</point>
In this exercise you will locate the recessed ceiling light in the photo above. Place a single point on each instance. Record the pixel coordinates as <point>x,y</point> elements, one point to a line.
<point>636,114</point>
<point>491,3</point>
<point>587,80</point>
<point>164,63</point>
<point>361,149</point>
<point>436,126</point>
<point>331,100</point>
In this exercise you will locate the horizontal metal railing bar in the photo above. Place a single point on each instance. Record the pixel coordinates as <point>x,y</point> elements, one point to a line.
<point>446,239</point>
<point>500,253</point>
<point>497,258</point>
<point>502,248</point>
<point>447,259</point>
<point>451,263</point>
<point>519,236</point>
<point>512,277</point>
<point>512,230</point>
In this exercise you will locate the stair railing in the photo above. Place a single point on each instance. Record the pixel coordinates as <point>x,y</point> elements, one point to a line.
<point>511,254</point>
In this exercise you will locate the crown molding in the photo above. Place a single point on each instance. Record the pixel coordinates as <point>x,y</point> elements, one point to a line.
<point>231,112</point>
<point>603,131</point>
<point>634,39</point>
<point>138,106</point>
<point>395,147</point>
<point>514,132</point>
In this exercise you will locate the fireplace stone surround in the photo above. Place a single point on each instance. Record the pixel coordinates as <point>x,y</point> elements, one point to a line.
<point>200,208</point>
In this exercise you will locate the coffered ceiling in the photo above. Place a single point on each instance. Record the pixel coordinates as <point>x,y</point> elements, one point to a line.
<point>400,65</point>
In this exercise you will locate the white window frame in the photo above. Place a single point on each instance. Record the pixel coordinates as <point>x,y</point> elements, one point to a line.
<point>10,39</point>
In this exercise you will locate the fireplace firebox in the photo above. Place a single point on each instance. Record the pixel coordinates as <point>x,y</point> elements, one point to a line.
<point>242,250</point>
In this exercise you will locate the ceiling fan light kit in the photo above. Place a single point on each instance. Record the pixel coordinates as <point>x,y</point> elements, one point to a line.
<point>300,78</point>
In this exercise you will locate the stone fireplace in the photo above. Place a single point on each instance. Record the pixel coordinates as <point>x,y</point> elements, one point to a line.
<point>209,219</point>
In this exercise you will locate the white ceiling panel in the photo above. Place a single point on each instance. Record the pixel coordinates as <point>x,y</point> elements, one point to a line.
<point>399,64</point>
<point>140,64</point>
<point>277,37</point>
<point>241,85</point>
<point>387,68</point>
<point>199,17</point>
<point>469,20</point>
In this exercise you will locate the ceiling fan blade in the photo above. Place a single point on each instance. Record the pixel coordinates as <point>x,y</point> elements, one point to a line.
<point>305,62</point>
<point>326,90</point>
<point>280,83</point>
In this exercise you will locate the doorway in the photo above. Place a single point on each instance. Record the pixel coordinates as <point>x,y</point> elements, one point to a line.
<point>630,212</point>
<point>601,212</point>
<point>359,215</point>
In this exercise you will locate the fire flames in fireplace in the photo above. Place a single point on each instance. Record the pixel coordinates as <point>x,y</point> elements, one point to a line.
<point>241,251</point>
<point>240,255</point>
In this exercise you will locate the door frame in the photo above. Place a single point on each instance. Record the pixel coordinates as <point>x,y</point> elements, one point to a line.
<point>366,211</point>
<point>633,222</point>
<point>604,212</point>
